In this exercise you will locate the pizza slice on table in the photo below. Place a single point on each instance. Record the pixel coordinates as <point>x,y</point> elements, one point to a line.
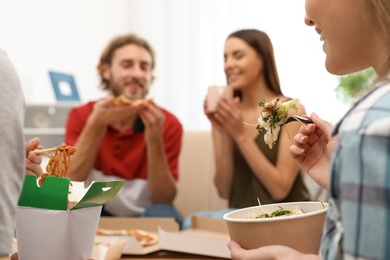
<point>143,237</point>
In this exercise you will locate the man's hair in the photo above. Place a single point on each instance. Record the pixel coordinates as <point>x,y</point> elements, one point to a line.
<point>116,43</point>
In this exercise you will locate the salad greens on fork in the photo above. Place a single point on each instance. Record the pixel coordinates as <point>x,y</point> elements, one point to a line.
<point>275,114</point>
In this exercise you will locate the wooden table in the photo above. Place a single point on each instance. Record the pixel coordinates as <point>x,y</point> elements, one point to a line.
<point>165,255</point>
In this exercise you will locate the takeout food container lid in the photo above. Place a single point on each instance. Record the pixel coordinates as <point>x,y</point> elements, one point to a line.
<point>54,193</point>
<point>301,232</point>
<point>47,229</point>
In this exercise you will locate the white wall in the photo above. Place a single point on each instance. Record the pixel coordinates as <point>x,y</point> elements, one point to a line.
<point>65,36</point>
<point>188,36</point>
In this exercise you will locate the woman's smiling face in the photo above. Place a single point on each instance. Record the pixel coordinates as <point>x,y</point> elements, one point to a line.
<point>242,64</point>
<point>347,33</point>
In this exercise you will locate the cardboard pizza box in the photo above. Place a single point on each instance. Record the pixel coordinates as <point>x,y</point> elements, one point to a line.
<point>108,250</point>
<point>207,236</point>
<point>49,227</point>
<point>132,246</point>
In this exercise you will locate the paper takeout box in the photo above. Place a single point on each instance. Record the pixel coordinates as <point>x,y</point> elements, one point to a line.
<point>47,227</point>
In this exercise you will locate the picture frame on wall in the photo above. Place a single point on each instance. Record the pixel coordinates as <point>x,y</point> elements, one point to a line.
<point>64,86</point>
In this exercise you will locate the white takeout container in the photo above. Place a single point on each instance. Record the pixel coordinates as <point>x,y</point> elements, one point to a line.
<point>301,232</point>
<point>46,228</point>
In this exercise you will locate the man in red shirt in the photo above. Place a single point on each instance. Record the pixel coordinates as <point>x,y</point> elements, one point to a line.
<point>134,139</point>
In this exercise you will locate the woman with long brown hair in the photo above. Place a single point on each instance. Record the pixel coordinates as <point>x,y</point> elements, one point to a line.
<point>246,168</point>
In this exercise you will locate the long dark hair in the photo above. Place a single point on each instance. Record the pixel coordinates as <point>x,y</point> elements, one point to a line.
<point>261,43</point>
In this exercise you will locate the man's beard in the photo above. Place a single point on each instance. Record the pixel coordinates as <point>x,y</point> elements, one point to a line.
<point>117,89</point>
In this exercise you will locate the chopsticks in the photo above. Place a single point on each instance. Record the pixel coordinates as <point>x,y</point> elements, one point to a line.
<point>42,151</point>
<point>47,151</point>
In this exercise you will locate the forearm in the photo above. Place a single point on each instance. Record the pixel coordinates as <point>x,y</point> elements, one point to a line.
<point>161,184</point>
<point>223,154</point>
<point>88,143</point>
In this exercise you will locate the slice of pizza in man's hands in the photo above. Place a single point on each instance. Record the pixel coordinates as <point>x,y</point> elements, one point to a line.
<point>122,100</point>
<point>143,237</point>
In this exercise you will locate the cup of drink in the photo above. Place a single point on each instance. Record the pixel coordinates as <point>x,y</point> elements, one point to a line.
<point>217,93</point>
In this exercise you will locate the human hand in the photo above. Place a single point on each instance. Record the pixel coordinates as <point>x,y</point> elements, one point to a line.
<point>274,252</point>
<point>33,161</point>
<point>153,119</point>
<point>105,113</point>
<point>227,117</point>
<point>313,149</point>
<point>209,115</point>
<point>14,256</point>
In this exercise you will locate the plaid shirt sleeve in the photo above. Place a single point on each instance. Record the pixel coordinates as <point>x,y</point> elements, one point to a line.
<point>358,221</point>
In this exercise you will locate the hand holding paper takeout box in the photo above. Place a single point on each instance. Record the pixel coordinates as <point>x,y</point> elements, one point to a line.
<point>47,229</point>
<point>58,220</point>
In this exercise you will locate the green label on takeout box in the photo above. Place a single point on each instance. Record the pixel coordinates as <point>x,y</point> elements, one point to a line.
<point>53,194</point>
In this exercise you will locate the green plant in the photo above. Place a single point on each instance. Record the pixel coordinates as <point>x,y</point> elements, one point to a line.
<point>352,86</point>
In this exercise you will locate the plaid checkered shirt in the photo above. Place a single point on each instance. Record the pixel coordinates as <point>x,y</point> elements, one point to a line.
<point>357,225</point>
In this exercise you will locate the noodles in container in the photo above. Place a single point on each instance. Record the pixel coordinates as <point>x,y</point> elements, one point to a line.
<point>59,161</point>
<point>47,225</point>
<point>294,224</point>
